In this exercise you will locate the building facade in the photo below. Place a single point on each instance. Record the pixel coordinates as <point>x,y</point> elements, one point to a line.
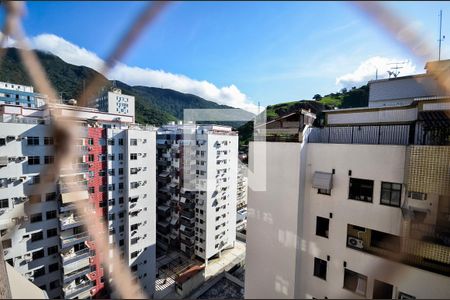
<point>113,101</point>
<point>17,94</point>
<point>197,180</point>
<point>356,209</point>
<point>114,170</point>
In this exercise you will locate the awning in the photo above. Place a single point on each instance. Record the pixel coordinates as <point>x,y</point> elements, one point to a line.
<point>323,180</point>
<point>74,196</point>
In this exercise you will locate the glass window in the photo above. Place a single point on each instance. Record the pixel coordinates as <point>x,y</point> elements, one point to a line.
<point>52,250</point>
<point>391,194</point>
<point>33,141</point>
<point>48,140</point>
<point>48,160</point>
<point>37,236</point>
<point>361,189</point>
<point>355,282</point>
<point>322,227</point>
<point>36,218</point>
<point>51,214</point>
<point>34,160</point>
<point>52,232</point>
<point>320,268</point>
<point>4,203</point>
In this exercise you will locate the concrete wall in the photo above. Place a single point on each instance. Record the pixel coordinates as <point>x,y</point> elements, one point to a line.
<point>272,223</point>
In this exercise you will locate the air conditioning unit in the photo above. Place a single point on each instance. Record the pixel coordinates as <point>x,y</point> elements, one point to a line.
<point>417,196</point>
<point>355,242</point>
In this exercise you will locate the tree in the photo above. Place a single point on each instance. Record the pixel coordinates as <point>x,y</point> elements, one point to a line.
<point>344,90</point>
<point>317,97</point>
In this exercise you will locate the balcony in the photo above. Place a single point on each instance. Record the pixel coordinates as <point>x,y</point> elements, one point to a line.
<point>75,274</point>
<point>187,222</point>
<point>188,214</point>
<point>163,211</point>
<point>67,208</point>
<point>71,256</point>
<point>163,162</point>
<point>69,221</point>
<point>163,177</point>
<point>75,168</point>
<point>75,265</point>
<point>70,240</point>
<point>74,290</point>
<point>66,187</point>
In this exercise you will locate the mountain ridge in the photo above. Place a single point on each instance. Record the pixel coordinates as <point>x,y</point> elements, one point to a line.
<point>154,105</point>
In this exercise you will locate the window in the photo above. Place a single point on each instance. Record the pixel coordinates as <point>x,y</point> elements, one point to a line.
<point>34,160</point>
<point>50,197</point>
<point>51,214</point>
<point>322,227</point>
<point>121,228</point>
<point>35,179</point>
<point>34,218</point>
<point>134,254</point>
<point>53,267</point>
<point>90,141</point>
<point>39,272</point>
<point>121,142</point>
<point>385,241</point>
<point>112,172</point>
<point>391,193</point>
<point>134,170</point>
<point>91,190</point>
<point>361,189</point>
<point>121,214</point>
<point>134,268</point>
<point>52,232</point>
<point>382,290</point>
<point>48,160</point>
<point>324,192</point>
<point>120,200</point>
<point>38,254</point>
<point>54,284</point>
<point>102,173</point>
<point>111,142</point>
<point>111,157</point>
<point>121,242</point>
<point>133,142</point>
<point>133,156</point>
<point>320,268</point>
<point>37,236</point>
<point>355,282</point>
<point>121,187</point>
<point>4,203</point>
<point>48,140</point>
<point>111,216</point>
<point>402,295</point>
<point>120,171</point>
<point>134,241</point>
<point>52,250</point>
<point>91,157</point>
<point>7,243</point>
<point>134,227</point>
<point>33,199</point>
<point>120,156</point>
<point>33,141</point>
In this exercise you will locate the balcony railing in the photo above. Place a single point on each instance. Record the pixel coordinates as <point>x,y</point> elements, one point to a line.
<point>71,291</point>
<point>73,238</point>
<point>77,273</point>
<point>71,256</point>
<point>69,221</point>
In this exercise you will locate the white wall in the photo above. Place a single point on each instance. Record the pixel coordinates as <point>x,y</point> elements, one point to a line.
<point>272,223</point>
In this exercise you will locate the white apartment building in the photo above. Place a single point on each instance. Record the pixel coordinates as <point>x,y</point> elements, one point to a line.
<point>23,95</point>
<point>357,209</point>
<point>116,170</point>
<point>197,188</point>
<point>242,185</point>
<point>113,101</point>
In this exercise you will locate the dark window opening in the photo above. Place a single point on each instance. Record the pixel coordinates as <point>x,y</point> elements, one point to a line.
<point>382,290</point>
<point>355,282</point>
<point>320,268</point>
<point>361,189</point>
<point>322,227</point>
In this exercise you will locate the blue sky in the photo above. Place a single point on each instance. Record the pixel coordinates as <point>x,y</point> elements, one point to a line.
<point>249,51</point>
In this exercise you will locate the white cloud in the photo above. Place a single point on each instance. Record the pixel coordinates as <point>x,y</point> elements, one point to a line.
<point>367,69</point>
<point>73,54</point>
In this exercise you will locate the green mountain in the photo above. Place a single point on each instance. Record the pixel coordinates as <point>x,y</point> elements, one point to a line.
<point>153,105</point>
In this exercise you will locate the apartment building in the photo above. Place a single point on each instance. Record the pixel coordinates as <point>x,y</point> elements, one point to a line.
<point>114,170</point>
<point>17,94</point>
<point>114,101</point>
<point>197,188</point>
<point>359,208</point>
<point>242,185</point>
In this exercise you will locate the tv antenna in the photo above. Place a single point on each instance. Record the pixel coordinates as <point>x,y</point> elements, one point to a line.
<point>395,69</point>
<point>441,37</point>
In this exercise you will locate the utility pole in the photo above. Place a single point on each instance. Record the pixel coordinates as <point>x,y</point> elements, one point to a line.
<point>441,38</point>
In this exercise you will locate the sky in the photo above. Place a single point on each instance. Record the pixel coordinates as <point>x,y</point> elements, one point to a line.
<point>237,53</point>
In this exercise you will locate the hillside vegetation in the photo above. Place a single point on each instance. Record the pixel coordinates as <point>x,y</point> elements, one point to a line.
<point>154,106</point>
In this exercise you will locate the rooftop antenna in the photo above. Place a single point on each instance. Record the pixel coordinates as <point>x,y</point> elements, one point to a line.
<point>376,74</point>
<point>441,37</point>
<point>259,107</point>
<point>395,69</point>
